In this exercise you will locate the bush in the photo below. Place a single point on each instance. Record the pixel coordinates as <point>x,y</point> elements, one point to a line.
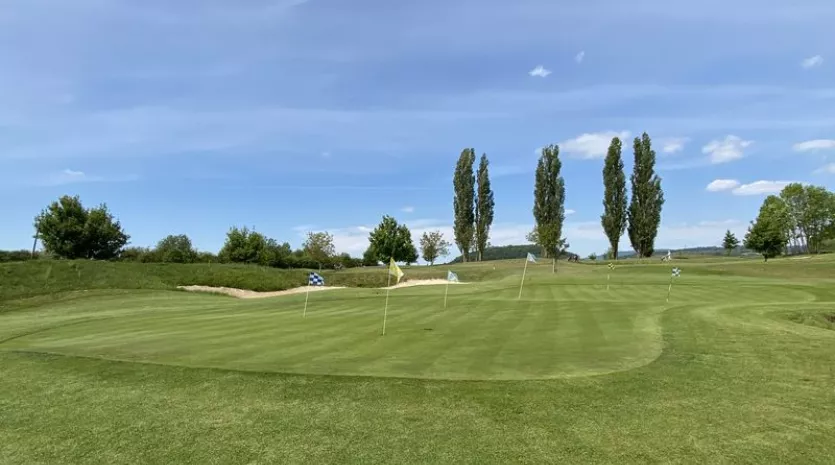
<point>17,255</point>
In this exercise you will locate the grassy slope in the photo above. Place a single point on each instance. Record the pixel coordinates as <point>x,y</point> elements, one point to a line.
<point>737,381</point>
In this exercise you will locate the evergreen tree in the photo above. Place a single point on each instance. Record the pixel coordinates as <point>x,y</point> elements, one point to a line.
<point>644,211</point>
<point>484,208</point>
<point>613,219</point>
<point>463,202</point>
<point>549,201</point>
<point>730,242</point>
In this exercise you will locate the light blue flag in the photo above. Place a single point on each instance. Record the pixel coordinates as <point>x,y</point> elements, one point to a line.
<point>450,276</point>
<point>531,258</point>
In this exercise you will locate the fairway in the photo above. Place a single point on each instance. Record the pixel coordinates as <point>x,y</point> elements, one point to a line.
<point>737,367</point>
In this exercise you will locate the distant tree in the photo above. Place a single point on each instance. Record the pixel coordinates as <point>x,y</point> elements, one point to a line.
<point>433,245</point>
<point>767,235</point>
<point>483,207</point>
<point>464,202</point>
<point>319,247</point>
<point>614,216</point>
<point>369,257</point>
<point>392,240</point>
<point>245,246</point>
<point>644,212</point>
<point>175,249</point>
<point>730,242</point>
<point>68,230</point>
<point>549,202</point>
<point>593,256</point>
<point>818,217</point>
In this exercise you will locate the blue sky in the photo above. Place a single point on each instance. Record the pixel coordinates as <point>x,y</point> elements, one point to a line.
<point>292,115</point>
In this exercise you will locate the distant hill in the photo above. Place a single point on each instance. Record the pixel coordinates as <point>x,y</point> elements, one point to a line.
<point>710,250</point>
<point>507,252</point>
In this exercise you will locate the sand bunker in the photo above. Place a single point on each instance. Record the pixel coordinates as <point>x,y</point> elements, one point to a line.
<point>245,294</point>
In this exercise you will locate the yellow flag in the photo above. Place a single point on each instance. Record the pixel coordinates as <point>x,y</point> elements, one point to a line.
<point>395,270</point>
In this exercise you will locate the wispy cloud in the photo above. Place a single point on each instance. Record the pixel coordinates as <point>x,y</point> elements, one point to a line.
<point>673,145</point>
<point>826,169</point>
<point>761,188</point>
<point>814,145</point>
<point>719,185</point>
<point>591,145</point>
<point>723,151</point>
<point>569,212</point>
<point>539,71</point>
<point>812,62</point>
<point>408,209</point>
<point>69,176</point>
<point>580,56</point>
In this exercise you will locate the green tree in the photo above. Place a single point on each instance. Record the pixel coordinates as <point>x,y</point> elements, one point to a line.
<point>392,240</point>
<point>614,216</point>
<point>464,202</point>
<point>549,202</point>
<point>319,247</point>
<point>796,200</point>
<point>730,242</point>
<point>68,230</point>
<point>818,217</point>
<point>369,257</point>
<point>483,208</point>
<point>175,249</point>
<point>245,246</point>
<point>644,212</point>
<point>767,234</point>
<point>433,245</point>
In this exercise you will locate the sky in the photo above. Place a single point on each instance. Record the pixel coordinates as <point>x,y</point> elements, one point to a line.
<point>289,116</point>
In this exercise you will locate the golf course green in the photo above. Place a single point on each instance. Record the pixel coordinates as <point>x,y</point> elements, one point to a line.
<point>108,363</point>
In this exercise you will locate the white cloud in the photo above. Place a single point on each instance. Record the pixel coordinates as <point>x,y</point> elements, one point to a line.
<point>408,209</point>
<point>570,212</point>
<point>673,144</point>
<point>826,169</point>
<point>814,145</point>
<point>761,188</point>
<point>729,149</point>
<point>812,62</point>
<point>580,56</point>
<point>719,185</point>
<point>539,71</point>
<point>591,145</point>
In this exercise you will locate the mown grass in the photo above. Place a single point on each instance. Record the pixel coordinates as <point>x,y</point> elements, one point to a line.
<point>724,373</point>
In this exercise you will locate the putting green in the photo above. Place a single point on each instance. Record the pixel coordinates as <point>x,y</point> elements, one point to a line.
<point>562,327</point>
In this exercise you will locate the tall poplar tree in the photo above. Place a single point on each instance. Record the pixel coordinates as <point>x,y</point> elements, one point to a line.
<point>644,211</point>
<point>549,201</point>
<point>464,202</point>
<point>483,207</point>
<point>613,219</point>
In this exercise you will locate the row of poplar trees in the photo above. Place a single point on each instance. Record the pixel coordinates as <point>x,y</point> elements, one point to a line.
<point>473,205</point>
<point>643,215</point>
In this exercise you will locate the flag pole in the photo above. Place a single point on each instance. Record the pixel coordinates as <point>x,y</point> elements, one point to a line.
<point>306,297</point>
<point>386,309</point>
<point>523,279</point>
<point>669,289</point>
<point>446,292</point>
<point>608,280</point>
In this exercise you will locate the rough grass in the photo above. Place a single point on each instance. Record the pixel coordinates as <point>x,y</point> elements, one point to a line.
<point>721,374</point>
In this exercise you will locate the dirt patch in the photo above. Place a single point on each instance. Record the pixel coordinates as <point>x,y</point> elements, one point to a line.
<point>245,294</point>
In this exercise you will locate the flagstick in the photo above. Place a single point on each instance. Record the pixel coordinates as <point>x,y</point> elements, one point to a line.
<point>669,289</point>
<point>386,309</point>
<point>608,279</point>
<point>523,279</point>
<point>446,292</point>
<point>306,297</point>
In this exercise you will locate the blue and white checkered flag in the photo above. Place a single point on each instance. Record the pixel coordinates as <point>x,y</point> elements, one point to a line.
<point>676,272</point>
<point>315,280</point>
<point>452,277</point>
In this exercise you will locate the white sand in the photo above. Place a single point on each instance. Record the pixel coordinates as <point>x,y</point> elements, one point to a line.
<point>245,294</point>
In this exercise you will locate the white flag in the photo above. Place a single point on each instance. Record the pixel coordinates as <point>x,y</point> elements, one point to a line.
<point>452,277</point>
<point>531,258</point>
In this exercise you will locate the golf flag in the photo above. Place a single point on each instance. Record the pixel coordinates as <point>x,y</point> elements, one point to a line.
<point>609,275</point>
<point>315,280</point>
<point>395,270</point>
<point>450,278</point>
<point>531,258</point>
<point>676,273</point>
<point>611,266</point>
